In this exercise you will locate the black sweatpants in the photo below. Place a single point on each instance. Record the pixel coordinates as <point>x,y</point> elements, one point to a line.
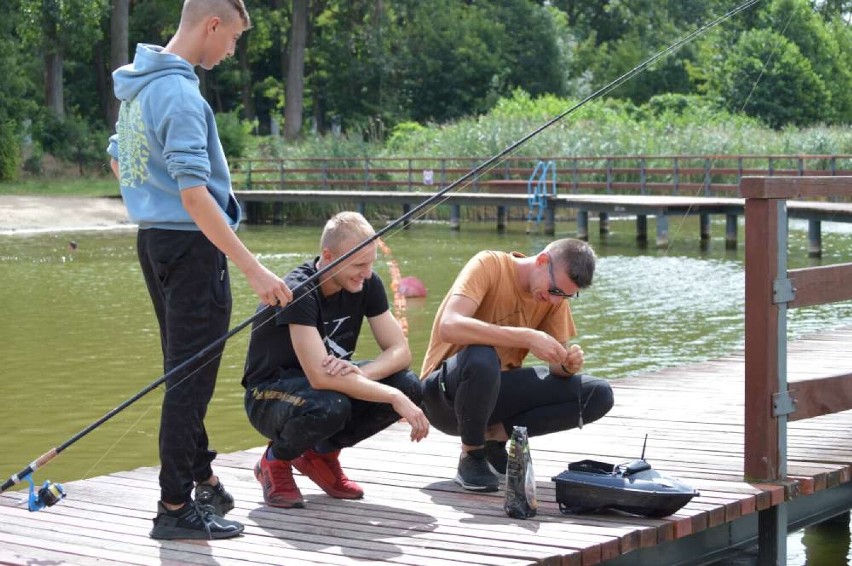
<point>296,417</point>
<point>187,278</point>
<point>468,392</point>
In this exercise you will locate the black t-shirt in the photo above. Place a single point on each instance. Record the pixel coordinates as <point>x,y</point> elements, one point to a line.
<point>338,319</point>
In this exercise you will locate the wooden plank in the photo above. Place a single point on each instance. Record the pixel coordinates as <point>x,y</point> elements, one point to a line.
<point>821,284</point>
<point>795,187</point>
<point>821,396</point>
<point>413,514</point>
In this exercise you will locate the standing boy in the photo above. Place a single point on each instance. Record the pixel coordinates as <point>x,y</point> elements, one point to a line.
<point>502,307</point>
<point>175,183</point>
<point>304,393</point>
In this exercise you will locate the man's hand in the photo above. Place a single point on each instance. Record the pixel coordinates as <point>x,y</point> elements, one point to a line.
<point>336,366</point>
<point>573,361</point>
<point>413,415</point>
<point>547,348</point>
<point>269,287</point>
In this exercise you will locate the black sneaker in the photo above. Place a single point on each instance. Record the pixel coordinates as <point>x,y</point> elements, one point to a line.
<point>474,473</point>
<point>495,453</point>
<point>192,521</point>
<point>216,497</point>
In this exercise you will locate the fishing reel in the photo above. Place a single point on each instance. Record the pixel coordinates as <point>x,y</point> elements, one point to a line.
<point>47,496</point>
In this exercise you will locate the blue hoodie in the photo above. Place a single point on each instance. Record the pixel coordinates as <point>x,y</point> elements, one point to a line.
<point>166,141</point>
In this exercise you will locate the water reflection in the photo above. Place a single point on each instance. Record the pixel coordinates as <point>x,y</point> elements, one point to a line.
<point>827,543</point>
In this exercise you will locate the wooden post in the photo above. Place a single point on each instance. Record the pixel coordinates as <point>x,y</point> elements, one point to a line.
<point>662,230</point>
<point>814,238</point>
<point>406,208</point>
<point>731,231</point>
<point>501,219</point>
<point>583,225</point>
<point>455,217</point>
<point>765,456</point>
<point>761,339</point>
<point>550,221</point>
<point>704,223</point>
<point>642,228</point>
<point>603,217</point>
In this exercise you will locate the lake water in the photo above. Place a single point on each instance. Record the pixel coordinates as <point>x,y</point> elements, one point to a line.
<point>79,337</point>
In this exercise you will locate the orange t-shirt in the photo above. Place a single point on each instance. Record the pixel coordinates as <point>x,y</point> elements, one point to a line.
<point>490,280</point>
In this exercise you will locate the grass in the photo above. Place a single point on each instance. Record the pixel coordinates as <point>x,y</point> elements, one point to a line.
<point>95,186</point>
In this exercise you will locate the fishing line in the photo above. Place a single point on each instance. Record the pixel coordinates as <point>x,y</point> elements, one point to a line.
<point>428,204</point>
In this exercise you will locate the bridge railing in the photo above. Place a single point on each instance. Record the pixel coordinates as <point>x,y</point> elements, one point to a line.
<point>709,175</point>
<point>771,401</point>
<point>770,289</point>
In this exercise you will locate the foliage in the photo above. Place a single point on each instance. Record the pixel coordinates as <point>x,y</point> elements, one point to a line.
<point>71,139</point>
<point>767,76</point>
<point>667,125</point>
<point>10,152</point>
<point>233,133</point>
<point>63,25</point>
<point>374,68</point>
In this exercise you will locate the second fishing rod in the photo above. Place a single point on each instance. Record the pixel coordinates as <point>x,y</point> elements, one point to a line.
<point>431,201</point>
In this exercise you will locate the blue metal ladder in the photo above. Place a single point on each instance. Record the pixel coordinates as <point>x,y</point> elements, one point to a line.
<point>539,188</point>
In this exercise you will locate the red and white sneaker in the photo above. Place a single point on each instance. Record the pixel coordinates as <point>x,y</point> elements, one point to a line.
<point>324,470</point>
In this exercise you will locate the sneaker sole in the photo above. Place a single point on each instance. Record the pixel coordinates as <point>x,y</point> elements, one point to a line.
<point>329,491</point>
<point>474,487</point>
<point>173,533</point>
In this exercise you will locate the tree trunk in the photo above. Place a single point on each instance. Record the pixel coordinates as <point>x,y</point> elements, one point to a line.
<point>118,50</point>
<point>245,73</point>
<point>102,82</point>
<point>54,95</point>
<point>295,93</point>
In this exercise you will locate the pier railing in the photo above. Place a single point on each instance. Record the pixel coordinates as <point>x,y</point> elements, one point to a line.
<point>770,289</point>
<point>707,175</point>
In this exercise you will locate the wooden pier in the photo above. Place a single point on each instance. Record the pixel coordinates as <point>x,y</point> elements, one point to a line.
<point>581,206</point>
<point>764,435</point>
<point>414,514</point>
<point>547,187</point>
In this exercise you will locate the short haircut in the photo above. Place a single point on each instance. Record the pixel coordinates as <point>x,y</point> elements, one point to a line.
<point>342,227</point>
<point>195,11</point>
<point>576,257</point>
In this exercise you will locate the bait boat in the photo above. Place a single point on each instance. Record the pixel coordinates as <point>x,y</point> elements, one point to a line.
<point>632,487</point>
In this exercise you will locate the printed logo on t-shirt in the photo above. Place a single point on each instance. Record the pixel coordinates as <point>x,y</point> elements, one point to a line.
<point>337,331</point>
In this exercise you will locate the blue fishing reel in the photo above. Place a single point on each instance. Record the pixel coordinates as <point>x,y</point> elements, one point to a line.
<point>48,495</point>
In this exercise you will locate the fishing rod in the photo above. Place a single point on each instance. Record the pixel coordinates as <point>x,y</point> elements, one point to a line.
<point>50,493</point>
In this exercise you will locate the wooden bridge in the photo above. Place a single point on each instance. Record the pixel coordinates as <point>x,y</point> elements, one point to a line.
<point>762,434</point>
<point>660,187</point>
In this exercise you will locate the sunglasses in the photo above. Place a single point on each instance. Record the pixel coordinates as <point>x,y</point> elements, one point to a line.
<point>554,290</point>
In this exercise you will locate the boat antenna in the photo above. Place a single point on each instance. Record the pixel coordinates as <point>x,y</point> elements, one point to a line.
<point>642,457</point>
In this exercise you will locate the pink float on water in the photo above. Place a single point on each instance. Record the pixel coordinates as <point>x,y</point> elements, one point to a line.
<point>411,287</point>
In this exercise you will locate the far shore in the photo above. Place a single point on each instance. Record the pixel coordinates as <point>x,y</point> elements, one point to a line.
<point>35,214</point>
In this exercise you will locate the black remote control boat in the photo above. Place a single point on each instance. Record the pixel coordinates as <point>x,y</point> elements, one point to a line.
<point>632,487</point>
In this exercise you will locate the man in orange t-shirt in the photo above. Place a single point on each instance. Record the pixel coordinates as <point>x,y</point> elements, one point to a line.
<point>501,307</point>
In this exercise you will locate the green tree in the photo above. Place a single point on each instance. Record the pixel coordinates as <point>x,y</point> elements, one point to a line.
<point>532,56</point>
<point>766,75</point>
<point>54,28</point>
<point>450,64</point>
<point>818,42</point>
<point>17,91</point>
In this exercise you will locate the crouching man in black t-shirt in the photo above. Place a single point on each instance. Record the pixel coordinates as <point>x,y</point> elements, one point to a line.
<point>303,391</point>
